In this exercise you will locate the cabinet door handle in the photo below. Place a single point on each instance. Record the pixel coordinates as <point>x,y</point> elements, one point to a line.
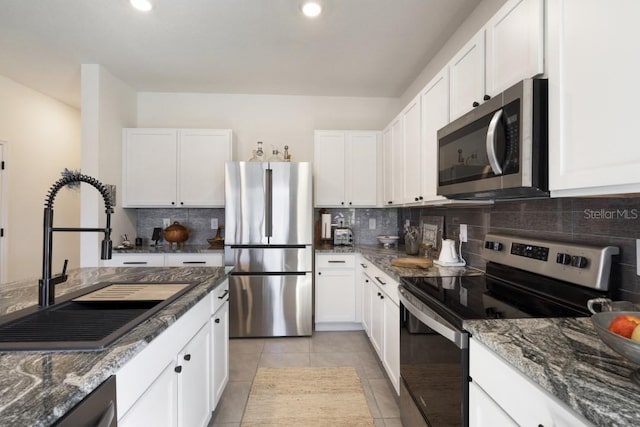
<point>390,201</point>
<point>181,203</point>
<point>416,199</point>
<point>319,273</point>
<point>342,203</point>
<point>380,281</point>
<point>173,203</point>
<point>350,203</point>
<point>217,320</point>
<point>187,357</point>
<point>135,262</point>
<point>178,369</point>
<point>366,280</point>
<point>336,262</point>
<point>475,104</point>
<point>364,265</point>
<point>421,198</point>
<point>486,97</point>
<point>381,296</point>
<point>226,292</point>
<point>194,262</point>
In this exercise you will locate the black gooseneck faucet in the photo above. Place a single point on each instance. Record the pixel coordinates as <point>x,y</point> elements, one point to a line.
<point>46,290</point>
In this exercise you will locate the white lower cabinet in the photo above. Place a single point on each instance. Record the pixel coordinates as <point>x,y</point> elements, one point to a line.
<point>381,318</point>
<point>335,292</point>
<point>220,351</point>
<point>391,342</point>
<point>194,380</point>
<point>499,394</point>
<point>176,380</point>
<point>205,259</point>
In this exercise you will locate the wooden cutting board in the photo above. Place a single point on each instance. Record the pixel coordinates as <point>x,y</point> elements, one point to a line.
<point>134,292</point>
<point>412,262</point>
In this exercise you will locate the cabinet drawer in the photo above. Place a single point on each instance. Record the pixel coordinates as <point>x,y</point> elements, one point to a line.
<point>335,261</point>
<point>219,296</point>
<point>135,260</point>
<point>194,260</point>
<point>386,284</point>
<point>531,405</point>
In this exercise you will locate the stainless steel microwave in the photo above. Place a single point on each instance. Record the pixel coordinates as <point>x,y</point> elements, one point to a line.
<point>499,149</point>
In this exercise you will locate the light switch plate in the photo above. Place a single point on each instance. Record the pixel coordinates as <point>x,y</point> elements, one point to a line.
<point>214,223</point>
<point>372,223</point>
<point>165,222</point>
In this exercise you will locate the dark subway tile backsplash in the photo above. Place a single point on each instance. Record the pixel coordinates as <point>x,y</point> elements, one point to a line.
<point>603,221</point>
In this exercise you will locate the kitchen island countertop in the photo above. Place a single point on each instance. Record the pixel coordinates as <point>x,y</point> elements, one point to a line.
<point>40,387</point>
<point>566,358</point>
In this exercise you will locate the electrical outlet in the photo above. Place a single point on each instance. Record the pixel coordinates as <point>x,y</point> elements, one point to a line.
<point>372,223</point>
<point>165,222</point>
<point>214,223</point>
<point>638,257</point>
<point>463,232</point>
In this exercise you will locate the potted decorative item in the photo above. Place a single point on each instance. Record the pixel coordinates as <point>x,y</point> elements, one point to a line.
<point>176,233</point>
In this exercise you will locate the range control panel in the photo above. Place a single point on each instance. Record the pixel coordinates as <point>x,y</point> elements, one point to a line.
<point>585,265</point>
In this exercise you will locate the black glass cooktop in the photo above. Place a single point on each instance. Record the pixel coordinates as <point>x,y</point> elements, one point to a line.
<point>503,293</point>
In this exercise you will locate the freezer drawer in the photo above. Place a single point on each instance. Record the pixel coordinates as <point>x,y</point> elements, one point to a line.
<point>270,305</point>
<point>272,259</point>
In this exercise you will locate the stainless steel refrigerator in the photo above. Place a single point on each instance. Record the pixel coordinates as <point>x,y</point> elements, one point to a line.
<point>268,241</point>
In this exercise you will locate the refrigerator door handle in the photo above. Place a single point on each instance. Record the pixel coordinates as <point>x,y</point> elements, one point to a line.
<point>268,194</point>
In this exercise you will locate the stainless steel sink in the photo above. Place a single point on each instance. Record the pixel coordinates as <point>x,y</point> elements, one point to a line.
<point>83,324</point>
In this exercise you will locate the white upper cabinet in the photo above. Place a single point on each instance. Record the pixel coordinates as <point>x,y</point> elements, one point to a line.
<point>515,44</point>
<point>434,100</point>
<point>346,168</point>
<point>202,156</point>
<point>467,84</point>
<point>149,169</point>
<point>593,97</point>
<point>387,161</point>
<point>412,153</point>
<point>397,159</point>
<point>174,167</point>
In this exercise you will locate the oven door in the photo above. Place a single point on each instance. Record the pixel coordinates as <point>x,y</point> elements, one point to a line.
<point>434,367</point>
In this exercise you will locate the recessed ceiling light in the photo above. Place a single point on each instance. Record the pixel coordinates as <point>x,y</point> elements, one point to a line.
<point>311,9</point>
<point>142,5</point>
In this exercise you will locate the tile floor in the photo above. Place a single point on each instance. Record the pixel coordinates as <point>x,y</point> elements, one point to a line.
<point>322,349</point>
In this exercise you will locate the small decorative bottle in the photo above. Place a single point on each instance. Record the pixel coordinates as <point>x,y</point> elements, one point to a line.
<point>287,156</point>
<point>260,152</point>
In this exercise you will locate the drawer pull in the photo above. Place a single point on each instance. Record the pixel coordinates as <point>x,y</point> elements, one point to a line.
<point>187,357</point>
<point>194,262</point>
<point>364,265</point>
<point>336,262</point>
<point>135,262</point>
<point>380,281</point>
<point>217,320</point>
<point>226,292</point>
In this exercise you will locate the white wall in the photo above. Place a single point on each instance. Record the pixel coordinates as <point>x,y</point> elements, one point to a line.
<point>276,120</point>
<point>43,138</point>
<point>108,105</point>
<point>480,16</point>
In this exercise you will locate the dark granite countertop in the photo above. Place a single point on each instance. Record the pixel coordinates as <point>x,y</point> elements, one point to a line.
<point>381,257</point>
<point>33,395</point>
<point>567,358</point>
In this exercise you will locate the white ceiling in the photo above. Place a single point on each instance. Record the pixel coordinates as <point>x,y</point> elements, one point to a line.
<point>356,48</point>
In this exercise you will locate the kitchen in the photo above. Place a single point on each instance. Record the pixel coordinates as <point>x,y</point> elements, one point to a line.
<point>109,105</point>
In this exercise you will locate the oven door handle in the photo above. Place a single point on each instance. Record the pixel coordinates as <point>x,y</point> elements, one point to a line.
<point>428,317</point>
<point>491,143</point>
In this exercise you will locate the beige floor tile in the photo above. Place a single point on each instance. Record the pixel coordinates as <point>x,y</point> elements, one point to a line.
<point>339,342</point>
<point>369,367</point>
<point>392,422</point>
<point>335,359</point>
<point>242,367</point>
<point>385,398</point>
<point>378,422</point>
<point>286,345</point>
<point>284,360</point>
<point>232,403</point>
<point>248,345</point>
<point>371,400</point>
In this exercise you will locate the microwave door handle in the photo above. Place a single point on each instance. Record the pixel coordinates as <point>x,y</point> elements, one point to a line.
<point>491,143</point>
